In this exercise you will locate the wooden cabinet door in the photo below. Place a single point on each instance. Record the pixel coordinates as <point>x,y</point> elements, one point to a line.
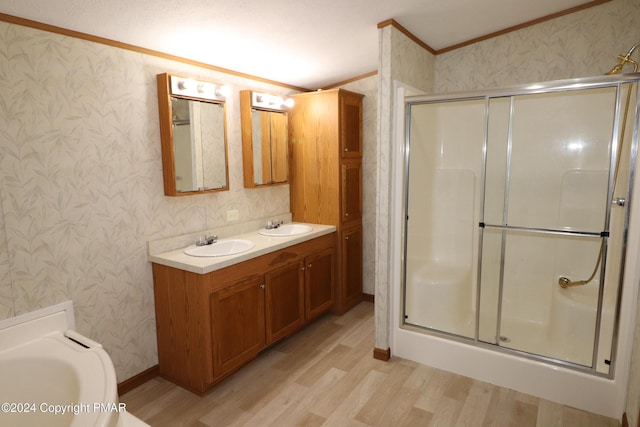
<point>318,282</point>
<point>284,293</point>
<point>237,324</point>
<point>350,124</point>
<point>351,265</point>
<point>351,191</point>
<point>314,183</point>
<point>182,327</point>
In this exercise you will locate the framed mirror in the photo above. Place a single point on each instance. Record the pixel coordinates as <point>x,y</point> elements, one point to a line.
<point>193,133</point>
<point>264,138</point>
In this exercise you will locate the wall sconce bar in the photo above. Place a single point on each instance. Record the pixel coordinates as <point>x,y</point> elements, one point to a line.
<point>198,89</point>
<point>265,101</point>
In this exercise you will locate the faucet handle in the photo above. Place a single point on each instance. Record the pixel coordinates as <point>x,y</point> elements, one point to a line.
<point>207,240</point>
<point>273,223</point>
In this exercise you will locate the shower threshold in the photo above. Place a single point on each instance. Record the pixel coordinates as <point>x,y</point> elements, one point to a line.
<point>532,338</point>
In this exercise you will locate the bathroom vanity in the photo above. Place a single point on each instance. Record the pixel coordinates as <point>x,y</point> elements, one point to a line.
<point>214,315</point>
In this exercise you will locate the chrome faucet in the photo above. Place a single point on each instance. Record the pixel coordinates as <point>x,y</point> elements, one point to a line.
<point>207,240</point>
<point>273,223</point>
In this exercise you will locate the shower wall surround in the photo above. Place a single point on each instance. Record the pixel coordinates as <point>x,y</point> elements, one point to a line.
<point>81,188</point>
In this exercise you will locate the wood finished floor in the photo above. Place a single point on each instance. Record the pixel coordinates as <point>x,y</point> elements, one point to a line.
<point>325,375</point>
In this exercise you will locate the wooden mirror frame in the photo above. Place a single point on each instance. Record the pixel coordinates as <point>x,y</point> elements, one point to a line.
<point>165,95</point>
<point>246,108</point>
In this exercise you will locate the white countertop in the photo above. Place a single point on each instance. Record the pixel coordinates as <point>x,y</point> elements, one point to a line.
<point>263,245</point>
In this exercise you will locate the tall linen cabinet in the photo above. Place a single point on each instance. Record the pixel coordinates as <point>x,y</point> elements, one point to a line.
<point>325,177</point>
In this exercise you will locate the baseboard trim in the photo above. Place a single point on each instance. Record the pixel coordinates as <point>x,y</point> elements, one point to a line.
<point>368,297</point>
<point>137,380</point>
<point>381,354</point>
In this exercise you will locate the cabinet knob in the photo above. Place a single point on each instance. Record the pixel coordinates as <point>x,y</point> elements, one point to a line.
<point>310,265</point>
<point>346,214</point>
<point>302,268</point>
<point>346,237</point>
<point>346,149</point>
<point>262,286</point>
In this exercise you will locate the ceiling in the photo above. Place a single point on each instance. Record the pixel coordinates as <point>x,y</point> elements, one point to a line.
<point>304,43</point>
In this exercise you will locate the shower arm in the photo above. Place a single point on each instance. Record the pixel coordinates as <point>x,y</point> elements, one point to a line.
<point>624,60</point>
<point>565,282</point>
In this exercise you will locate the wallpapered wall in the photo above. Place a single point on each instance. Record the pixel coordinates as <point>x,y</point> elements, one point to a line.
<point>581,44</point>
<point>400,59</point>
<point>81,188</point>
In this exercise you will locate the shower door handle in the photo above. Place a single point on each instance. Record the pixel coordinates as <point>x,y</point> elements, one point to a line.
<point>619,201</point>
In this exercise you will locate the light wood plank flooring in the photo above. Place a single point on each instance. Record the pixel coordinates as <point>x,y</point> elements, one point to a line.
<point>325,375</point>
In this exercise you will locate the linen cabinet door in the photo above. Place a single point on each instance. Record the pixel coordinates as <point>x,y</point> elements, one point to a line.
<point>284,293</point>
<point>319,283</point>
<point>351,253</point>
<point>350,124</point>
<point>351,191</point>
<point>237,324</point>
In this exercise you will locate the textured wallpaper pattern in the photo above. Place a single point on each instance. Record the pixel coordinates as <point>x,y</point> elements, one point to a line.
<point>81,186</point>
<point>402,60</point>
<point>410,63</point>
<point>581,44</point>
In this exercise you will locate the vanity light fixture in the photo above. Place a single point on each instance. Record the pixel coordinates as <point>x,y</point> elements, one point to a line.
<point>265,101</point>
<point>198,89</point>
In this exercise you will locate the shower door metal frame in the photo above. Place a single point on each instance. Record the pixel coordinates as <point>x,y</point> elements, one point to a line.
<point>617,82</point>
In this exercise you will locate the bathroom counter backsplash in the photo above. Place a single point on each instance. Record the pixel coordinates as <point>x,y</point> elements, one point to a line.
<point>202,265</point>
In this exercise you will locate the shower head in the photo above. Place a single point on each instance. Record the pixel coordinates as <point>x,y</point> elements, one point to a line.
<point>624,60</point>
<point>565,282</point>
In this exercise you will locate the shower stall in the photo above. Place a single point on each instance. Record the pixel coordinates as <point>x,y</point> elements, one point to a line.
<point>515,224</point>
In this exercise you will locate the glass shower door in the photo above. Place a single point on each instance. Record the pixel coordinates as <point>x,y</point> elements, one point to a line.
<point>516,219</point>
<point>443,199</point>
<point>545,217</point>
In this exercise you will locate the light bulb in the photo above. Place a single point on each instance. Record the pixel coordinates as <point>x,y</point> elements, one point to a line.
<point>185,84</point>
<point>223,91</point>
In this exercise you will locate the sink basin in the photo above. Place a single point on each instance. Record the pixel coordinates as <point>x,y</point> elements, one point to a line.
<point>220,248</point>
<point>286,230</point>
